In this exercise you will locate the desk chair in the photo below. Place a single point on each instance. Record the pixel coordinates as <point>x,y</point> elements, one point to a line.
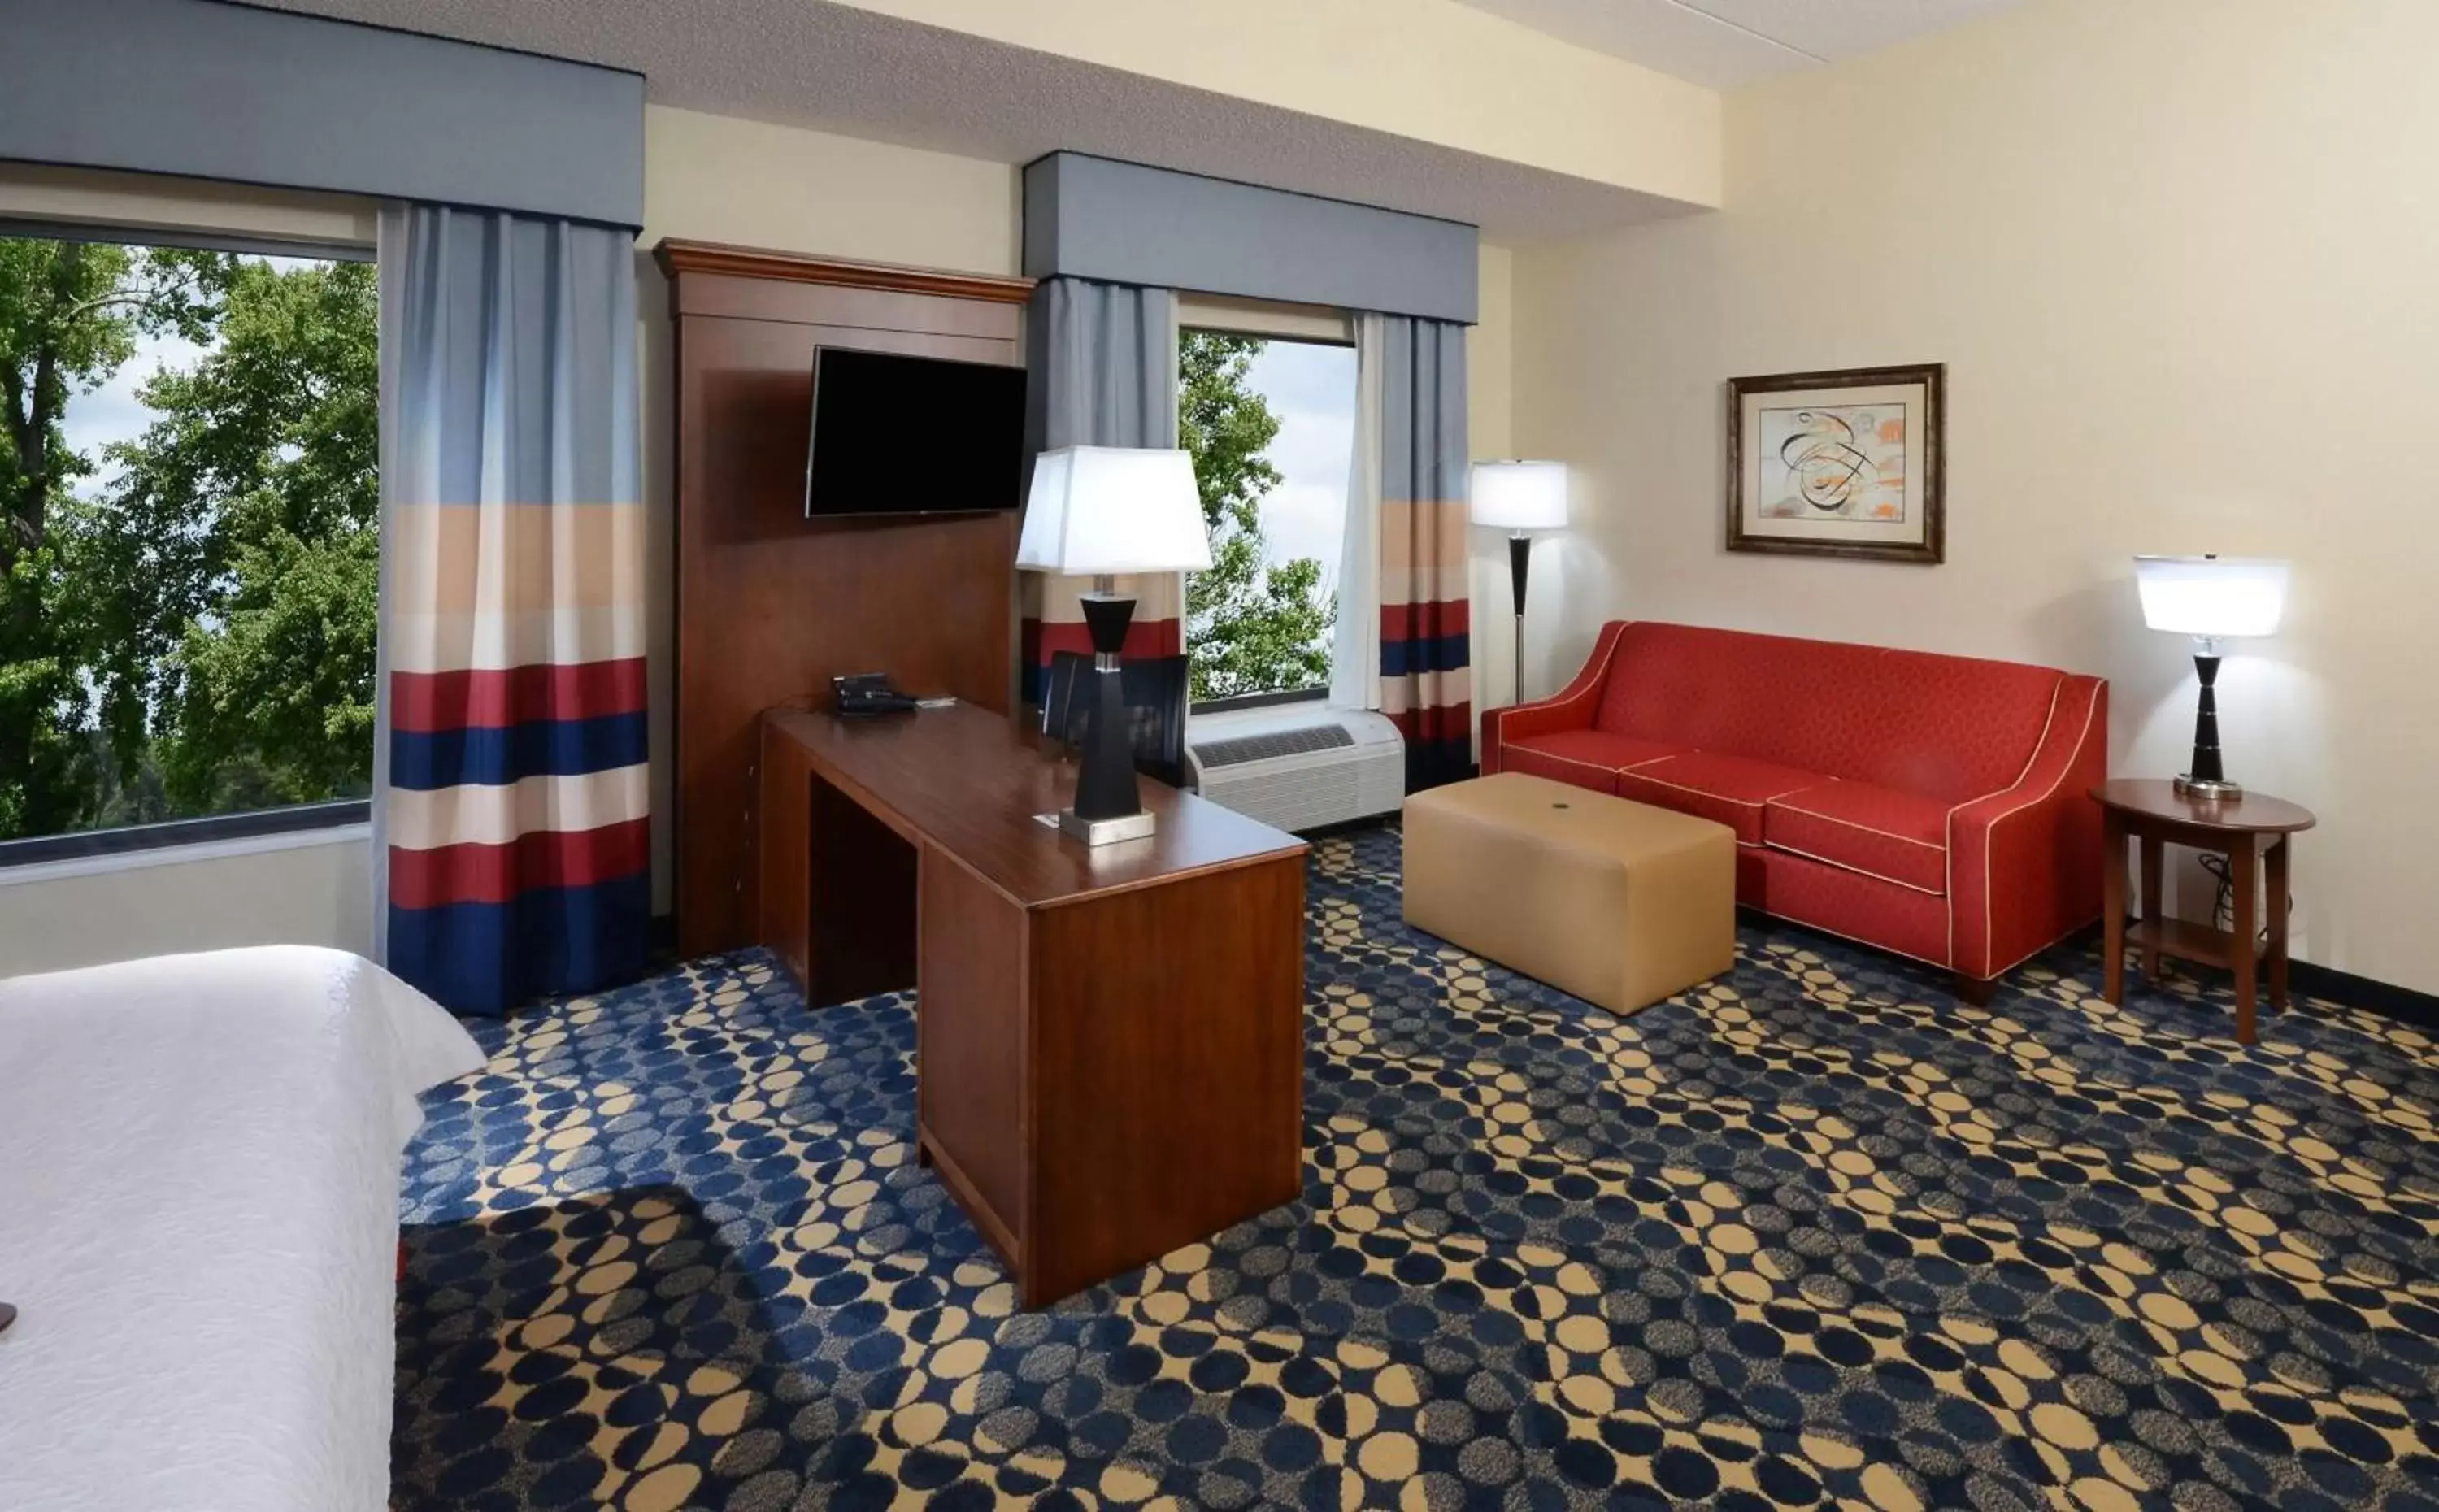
<point>1154,689</point>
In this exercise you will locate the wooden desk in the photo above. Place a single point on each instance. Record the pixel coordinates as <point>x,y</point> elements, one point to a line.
<point>1108,1043</point>
<point>2152,811</point>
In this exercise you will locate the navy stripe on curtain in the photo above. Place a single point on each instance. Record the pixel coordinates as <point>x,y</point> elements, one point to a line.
<point>445,758</point>
<point>511,796</point>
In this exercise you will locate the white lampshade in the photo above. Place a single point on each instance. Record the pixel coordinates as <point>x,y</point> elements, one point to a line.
<point>1519,495</point>
<point>2212,596</point>
<point>1113,510</point>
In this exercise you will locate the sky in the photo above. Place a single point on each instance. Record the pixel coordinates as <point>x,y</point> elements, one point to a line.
<point>1311,389</point>
<point>113,413</point>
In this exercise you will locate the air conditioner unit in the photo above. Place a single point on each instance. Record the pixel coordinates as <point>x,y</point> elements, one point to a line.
<point>1298,766</point>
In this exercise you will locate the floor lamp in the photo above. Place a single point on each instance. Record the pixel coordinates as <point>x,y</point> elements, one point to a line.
<point>1520,497</point>
<point>1101,511</point>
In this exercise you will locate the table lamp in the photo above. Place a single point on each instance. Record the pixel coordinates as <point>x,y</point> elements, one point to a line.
<point>2211,598</point>
<point>1519,496</point>
<point>1103,510</point>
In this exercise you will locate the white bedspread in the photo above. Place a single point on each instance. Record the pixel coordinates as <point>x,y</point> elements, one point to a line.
<point>199,1168</point>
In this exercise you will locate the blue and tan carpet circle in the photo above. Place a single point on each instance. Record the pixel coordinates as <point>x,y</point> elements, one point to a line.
<point>1815,1234</point>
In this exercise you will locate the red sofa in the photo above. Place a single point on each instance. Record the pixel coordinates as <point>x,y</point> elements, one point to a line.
<point>1934,806</point>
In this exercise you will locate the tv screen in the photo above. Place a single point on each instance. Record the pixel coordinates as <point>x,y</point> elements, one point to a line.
<point>896,435</point>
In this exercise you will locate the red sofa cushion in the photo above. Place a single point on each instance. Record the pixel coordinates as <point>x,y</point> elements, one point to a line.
<point>1946,728</point>
<point>1897,837</point>
<point>1588,759</point>
<point>1728,789</point>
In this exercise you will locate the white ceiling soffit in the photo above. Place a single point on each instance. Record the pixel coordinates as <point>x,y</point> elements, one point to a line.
<point>1729,44</point>
<point>836,68</point>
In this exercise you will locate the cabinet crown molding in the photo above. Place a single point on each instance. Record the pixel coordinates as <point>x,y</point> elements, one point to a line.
<point>676,256</point>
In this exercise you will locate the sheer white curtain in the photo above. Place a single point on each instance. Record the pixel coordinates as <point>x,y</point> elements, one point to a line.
<point>1354,653</point>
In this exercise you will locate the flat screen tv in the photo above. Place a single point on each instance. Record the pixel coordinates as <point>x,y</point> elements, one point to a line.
<point>898,435</point>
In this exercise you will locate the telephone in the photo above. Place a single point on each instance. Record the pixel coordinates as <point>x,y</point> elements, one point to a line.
<point>862,695</point>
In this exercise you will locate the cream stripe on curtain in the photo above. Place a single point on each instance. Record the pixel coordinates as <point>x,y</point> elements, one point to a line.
<point>1103,364</point>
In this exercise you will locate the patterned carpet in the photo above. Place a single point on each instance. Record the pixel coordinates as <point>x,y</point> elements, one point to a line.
<point>1815,1233</point>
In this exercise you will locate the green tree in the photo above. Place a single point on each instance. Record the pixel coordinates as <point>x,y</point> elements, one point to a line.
<point>70,315</point>
<point>243,538</point>
<point>1251,628</point>
<point>198,637</point>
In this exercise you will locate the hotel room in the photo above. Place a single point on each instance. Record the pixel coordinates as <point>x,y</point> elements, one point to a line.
<point>788,753</point>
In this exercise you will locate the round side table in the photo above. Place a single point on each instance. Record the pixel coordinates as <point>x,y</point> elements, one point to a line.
<point>2251,832</point>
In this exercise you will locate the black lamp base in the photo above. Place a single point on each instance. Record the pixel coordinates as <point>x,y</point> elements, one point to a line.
<point>1520,564</point>
<point>2207,781</point>
<point>1109,804</point>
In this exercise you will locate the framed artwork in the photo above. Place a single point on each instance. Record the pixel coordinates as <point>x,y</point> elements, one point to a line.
<point>1838,464</point>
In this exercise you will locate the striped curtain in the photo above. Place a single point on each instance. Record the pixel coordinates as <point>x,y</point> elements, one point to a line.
<point>511,791</point>
<point>1102,359</point>
<point>1426,603</point>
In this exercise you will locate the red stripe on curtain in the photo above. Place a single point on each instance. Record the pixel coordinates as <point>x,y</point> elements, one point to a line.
<point>1427,621</point>
<point>423,702</point>
<point>1445,722</point>
<point>495,873</point>
<point>1144,638</point>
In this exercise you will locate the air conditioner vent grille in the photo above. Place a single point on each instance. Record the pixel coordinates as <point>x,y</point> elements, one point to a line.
<point>1302,741</point>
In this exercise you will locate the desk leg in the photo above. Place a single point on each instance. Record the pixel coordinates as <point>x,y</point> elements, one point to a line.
<point>2244,870</point>
<point>2152,850</point>
<point>2112,905</point>
<point>2276,881</point>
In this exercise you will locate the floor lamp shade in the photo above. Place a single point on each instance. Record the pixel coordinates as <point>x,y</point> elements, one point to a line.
<point>1103,510</point>
<point>1519,497</point>
<point>2211,598</point>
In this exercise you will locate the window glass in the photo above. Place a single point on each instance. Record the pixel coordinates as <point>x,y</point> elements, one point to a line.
<point>188,533</point>
<point>1271,424</point>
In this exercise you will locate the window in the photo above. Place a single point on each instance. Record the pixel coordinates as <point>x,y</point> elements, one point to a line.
<point>189,535</point>
<point>1271,423</point>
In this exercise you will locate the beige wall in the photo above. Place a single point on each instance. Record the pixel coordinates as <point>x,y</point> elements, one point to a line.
<point>1489,369</point>
<point>1432,70</point>
<point>290,891</point>
<point>2180,260</point>
<point>713,178</point>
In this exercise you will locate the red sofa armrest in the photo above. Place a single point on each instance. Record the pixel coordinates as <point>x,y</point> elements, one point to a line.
<point>1573,709</point>
<point>2024,862</point>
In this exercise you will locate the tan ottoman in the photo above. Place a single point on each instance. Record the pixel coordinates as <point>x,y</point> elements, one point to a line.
<point>1617,902</point>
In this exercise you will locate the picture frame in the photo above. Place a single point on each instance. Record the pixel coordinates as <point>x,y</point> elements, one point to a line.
<point>1848,462</point>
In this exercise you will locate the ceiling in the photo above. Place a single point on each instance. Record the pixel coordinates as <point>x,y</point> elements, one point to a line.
<point>1729,44</point>
<point>837,68</point>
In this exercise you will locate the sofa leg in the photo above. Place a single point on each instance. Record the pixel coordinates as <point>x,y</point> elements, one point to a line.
<point>1976,989</point>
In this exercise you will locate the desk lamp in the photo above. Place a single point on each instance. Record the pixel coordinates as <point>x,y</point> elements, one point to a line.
<point>1519,496</point>
<point>2211,598</point>
<point>1103,510</point>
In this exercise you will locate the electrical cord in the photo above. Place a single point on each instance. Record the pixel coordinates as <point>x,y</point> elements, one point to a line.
<point>2223,906</point>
